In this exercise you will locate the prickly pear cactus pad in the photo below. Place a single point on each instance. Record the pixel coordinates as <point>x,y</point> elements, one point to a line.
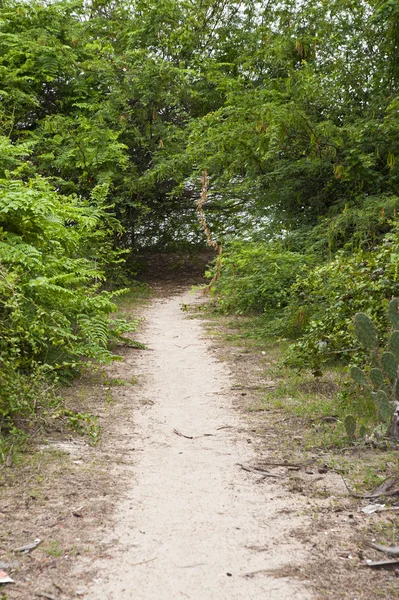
<point>366,331</point>
<point>390,365</point>
<point>350,426</point>
<point>393,313</point>
<point>394,343</point>
<point>377,378</point>
<point>358,376</point>
<point>384,406</point>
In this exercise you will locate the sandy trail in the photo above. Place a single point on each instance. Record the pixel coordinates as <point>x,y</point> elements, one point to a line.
<point>193,524</point>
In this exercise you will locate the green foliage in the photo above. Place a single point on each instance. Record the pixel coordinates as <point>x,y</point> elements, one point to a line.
<point>284,105</point>
<point>330,294</point>
<point>54,316</point>
<point>256,278</point>
<point>51,308</point>
<point>83,423</point>
<point>25,397</point>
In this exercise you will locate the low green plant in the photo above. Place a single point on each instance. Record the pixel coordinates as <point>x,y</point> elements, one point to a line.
<point>25,398</point>
<point>53,548</point>
<point>83,423</point>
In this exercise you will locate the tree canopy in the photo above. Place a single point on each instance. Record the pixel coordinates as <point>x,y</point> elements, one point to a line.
<point>291,108</point>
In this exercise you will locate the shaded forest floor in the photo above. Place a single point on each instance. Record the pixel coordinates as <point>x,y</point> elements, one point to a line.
<point>64,491</point>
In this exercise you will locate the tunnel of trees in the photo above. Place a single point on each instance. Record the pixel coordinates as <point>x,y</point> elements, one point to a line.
<point>111,112</point>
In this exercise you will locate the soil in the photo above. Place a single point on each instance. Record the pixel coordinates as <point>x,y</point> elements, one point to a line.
<point>191,492</point>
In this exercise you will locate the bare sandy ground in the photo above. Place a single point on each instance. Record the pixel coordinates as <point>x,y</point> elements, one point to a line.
<point>193,524</point>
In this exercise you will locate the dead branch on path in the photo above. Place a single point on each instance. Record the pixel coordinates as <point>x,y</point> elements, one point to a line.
<point>192,437</point>
<point>389,550</point>
<point>259,471</point>
<point>389,487</point>
<point>144,562</point>
<point>383,564</point>
<point>188,437</point>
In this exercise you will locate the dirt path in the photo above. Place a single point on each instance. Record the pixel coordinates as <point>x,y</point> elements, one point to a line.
<point>193,524</point>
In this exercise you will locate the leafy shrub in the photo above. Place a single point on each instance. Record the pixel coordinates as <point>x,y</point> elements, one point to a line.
<point>327,297</point>
<point>52,310</point>
<point>256,278</point>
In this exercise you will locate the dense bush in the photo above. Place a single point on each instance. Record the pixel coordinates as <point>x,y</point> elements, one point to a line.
<point>327,298</point>
<point>311,300</point>
<point>51,308</point>
<point>256,278</point>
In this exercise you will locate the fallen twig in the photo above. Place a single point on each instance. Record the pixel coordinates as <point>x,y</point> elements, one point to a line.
<point>383,564</point>
<point>78,511</point>
<point>284,464</point>
<point>352,493</point>
<point>390,550</point>
<point>192,437</point>
<point>259,471</point>
<point>188,437</point>
<point>247,387</point>
<point>28,547</point>
<point>144,562</point>
<point>383,490</point>
<point>55,584</point>
<point>44,595</point>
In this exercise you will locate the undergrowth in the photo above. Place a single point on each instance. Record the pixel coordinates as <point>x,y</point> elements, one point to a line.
<point>306,304</point>
<point>32,401</point>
